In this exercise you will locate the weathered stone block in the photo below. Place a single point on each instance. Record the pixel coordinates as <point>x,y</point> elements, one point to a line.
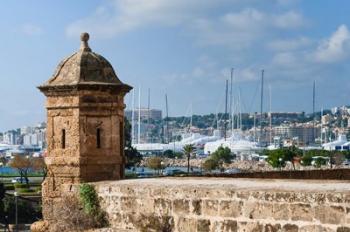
<point>196,207</point>
<point>258,210</point>
<point>250,227</point>
<point>181,206</point>
<point>203,225</point>
<point>210,207</point>
<point>128,204</point>
<point>186,225</point>
<point>226,225</point>
<point>230,208</point>
<point>272,227</point>
<point>290,228</point>
<point>335,197</point>
<point>330,214</point>
<point>301,212</point>
<point>315,228</point>
<point>280,211</point>
<point>243,195</point>
<point>343,229</point>
<point>162,206</point>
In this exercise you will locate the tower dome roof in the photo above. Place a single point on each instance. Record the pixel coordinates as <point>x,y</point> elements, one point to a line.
<point>84,67</point>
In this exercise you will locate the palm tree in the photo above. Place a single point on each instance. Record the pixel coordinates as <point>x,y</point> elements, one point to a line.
<point>188,151</point>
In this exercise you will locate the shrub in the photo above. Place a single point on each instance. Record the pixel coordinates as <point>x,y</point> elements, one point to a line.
<point>210,164</point>
<point>9,187</point>
<point>37,189</point>
<point>89,199</point>
<point>222,155</point>
<point>79,213</point>
<point>72,216</point>
<point>130,175</point>
<point>154,163</point>
<point>306,160</point>
<point>168,154</point>
<point>20,185</point>
<point>25,190</point>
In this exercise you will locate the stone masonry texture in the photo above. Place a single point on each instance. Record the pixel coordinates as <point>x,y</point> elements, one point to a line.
<point>226,205</point>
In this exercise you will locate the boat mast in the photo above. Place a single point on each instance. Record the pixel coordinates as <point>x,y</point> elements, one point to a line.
<point>139,119</point>
<point>225,125</point>
<point>191,116</point>
<point>148,114</point>
<point>321,125</point>
<point>270,114</point>
<point>167,118</point>
<point>231,101</point>
<point>261,104</point>
<point>240,109</point>
<point>313,110</point>
<point>133,117</point>
<point>254,126</point>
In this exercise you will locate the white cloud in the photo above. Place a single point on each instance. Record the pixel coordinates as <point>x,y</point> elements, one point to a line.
<point>31,29</point>
<point>245,19</point>
<point>289,19</point>
<point>239,30</point>
<point>248,74</point>
<point>335,48</point>
<point>125,15</point>
<point>285,59</point>
<point>289,44</point>
<point>242,25</point>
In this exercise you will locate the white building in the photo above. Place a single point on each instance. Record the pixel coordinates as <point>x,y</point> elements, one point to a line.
<point>10,137</point>
<point>145,114</point>
<point>26,130</point>
<point>37,138</point>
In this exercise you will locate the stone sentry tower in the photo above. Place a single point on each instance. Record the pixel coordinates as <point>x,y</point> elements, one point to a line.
<point>85,115</point>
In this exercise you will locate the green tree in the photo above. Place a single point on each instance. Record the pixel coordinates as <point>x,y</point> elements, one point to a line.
<point>179,155</point>
<point>290,153</point>
<point>346,154</point>
<point>306,159</point>
<point>223,154</point>
<point>209,165</point>
<point>38,164</point>
<point>155,163</point>
<point>320,161</point>
<point>276,158</point>
<point>132,156</point>
<point>188,150</point>
<point>23,165</point>
<point>169,154</point>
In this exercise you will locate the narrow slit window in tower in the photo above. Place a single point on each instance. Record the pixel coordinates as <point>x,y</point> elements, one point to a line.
<point>63,139</point>
<point>98,138</point>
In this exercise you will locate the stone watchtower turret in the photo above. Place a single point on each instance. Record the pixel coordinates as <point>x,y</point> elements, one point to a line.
<point>85,115</point>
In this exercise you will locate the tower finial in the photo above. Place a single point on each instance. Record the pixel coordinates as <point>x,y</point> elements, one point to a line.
<point>84,37</point>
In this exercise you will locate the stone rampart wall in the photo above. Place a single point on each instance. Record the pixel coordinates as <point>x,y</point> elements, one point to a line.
<point>324,174</point>
<point>221,204</point>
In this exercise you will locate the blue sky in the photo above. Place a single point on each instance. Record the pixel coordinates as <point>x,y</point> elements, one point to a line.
<point>184,48</point>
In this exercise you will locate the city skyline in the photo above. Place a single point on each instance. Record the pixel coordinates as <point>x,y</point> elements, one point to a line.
<point>182,49</point>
